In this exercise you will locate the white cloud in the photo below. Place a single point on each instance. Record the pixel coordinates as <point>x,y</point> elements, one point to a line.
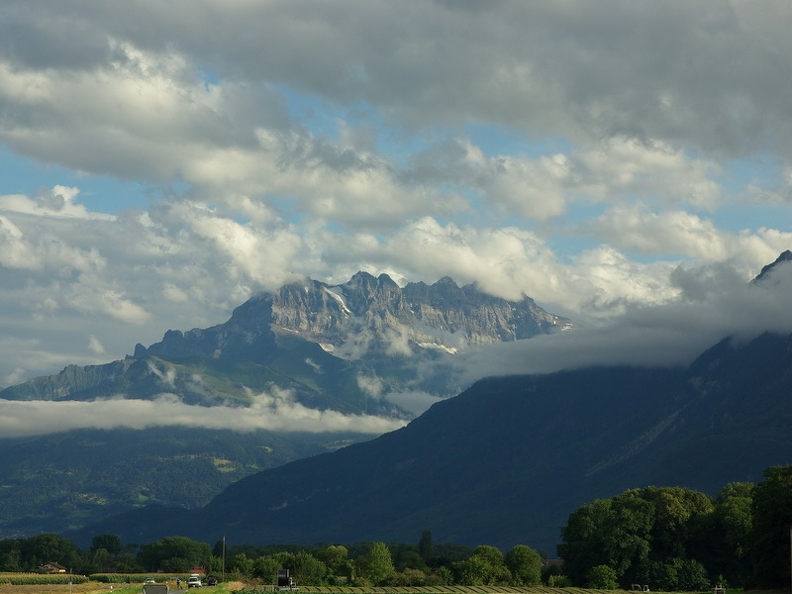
<point>95,346</point>
<point>576,153</point>
<point>714,302</point>
<point>274,412</point>
<point>370,385</point>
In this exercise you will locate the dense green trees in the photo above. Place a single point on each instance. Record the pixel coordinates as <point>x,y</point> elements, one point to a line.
<point>674,538</point>
<point>670,538</point>
<point>485,567</point>
<point>722,539</point>
<point>643,535</point>
<point>176,554</point>
<point>28,554</point>
<point>772,528</point>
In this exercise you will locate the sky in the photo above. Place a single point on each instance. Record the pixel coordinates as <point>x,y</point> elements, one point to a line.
<point>627,164</point>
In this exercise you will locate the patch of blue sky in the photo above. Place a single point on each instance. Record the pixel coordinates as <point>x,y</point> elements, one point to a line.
<point>103,194</point>
<point>389,139</point>
<point>286,208</point>
<point>496,140</point>
<point>759,170</point>
<point>319,117</point>
<point>756,193</point>
<point>209,77</point>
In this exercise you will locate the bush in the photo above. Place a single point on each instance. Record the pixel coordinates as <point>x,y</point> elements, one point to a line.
<point>557,580</point>
<point>602,577</point>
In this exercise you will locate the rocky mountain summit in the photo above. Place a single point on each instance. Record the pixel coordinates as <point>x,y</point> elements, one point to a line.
<point>364,349</point>
<point>366,316</point>
<point>343,347</point>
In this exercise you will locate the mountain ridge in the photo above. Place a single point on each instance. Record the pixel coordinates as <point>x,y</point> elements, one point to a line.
<point>335,315</point>
<point>507,460</point>
<point>361,349</point>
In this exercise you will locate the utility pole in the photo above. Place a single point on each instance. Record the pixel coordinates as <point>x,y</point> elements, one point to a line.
<point>224,557</point>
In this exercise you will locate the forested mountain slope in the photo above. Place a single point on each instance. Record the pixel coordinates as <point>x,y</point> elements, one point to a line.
<point>507,460</point>
<point>354,349</point>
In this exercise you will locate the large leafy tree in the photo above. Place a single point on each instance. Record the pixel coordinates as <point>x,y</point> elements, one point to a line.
<point>48,547</point>
<point>615,532</point>
<point>109,542</point>
<point>634,533</point>
<point>525,565</point>
<point>175,552</point>
<point>676,510</point>
<point>721,540</point>
<point>307,569</point>
<point>485,567</point>
<point>377,564</point>
<point>334,557</point>
<point>772,519</point>
<point>266,568</point>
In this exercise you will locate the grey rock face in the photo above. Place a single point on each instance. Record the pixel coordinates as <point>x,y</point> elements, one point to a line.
<point>369,314</point>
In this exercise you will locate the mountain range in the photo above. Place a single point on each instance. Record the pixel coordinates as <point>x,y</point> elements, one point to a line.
<point>364,348</point>
<point>503,462</point>
<point>509,459</point>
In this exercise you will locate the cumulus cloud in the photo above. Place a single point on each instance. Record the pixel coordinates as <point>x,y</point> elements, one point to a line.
<point>582,155</point>
<point>274,412</point>
<point>714,302</point>
<point>59,201</point>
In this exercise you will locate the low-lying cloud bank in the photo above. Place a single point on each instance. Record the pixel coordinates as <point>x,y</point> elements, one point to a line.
<point>276,411</point>
<point>714,304</point>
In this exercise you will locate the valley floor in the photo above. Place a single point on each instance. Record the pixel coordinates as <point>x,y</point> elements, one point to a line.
<point>241,588</point>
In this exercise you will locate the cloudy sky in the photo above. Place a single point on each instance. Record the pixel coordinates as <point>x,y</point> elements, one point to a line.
<point>163,160</point>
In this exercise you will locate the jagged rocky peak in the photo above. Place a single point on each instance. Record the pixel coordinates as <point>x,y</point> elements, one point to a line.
<point>366,315</point>
<point>364,291</point>
<point>373,309</point>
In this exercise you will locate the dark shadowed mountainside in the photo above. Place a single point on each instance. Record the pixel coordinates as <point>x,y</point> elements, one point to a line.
<point>506,461</point>
<point>352,349</point>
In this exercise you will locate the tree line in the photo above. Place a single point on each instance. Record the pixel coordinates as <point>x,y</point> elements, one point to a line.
<point>677,539</point>
<point>668,538</point>
<point>360,564</point>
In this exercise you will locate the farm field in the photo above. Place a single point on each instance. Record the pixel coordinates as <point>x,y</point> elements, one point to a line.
<point>96,587</point>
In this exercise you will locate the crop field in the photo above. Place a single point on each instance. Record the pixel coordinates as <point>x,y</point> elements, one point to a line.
<point>58,584</point>
<point>448,590</point>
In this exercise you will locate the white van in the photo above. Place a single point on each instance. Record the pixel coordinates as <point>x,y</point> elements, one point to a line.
<point>194,581</point>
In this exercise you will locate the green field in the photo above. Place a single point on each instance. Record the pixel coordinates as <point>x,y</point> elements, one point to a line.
<point>31,583</point>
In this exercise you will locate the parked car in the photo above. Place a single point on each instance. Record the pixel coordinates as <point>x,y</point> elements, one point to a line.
<point>194,581</point>
<point>212,581</point>
<point>149,581</point>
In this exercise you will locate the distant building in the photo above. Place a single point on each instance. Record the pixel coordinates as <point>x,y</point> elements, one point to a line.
<point>51,567</point>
